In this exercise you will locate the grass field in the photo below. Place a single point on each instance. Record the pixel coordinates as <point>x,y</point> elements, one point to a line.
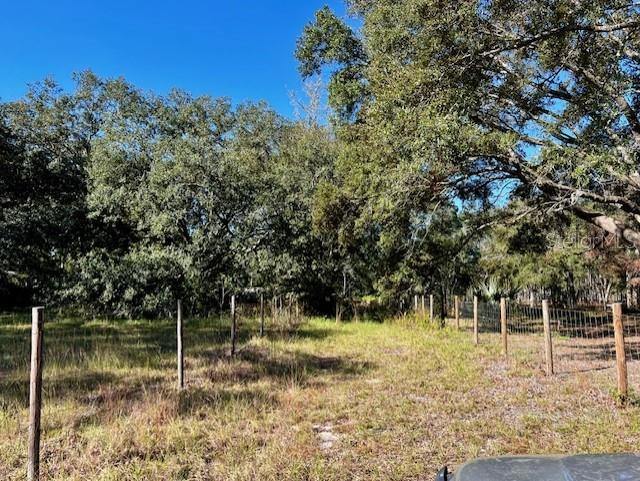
<point>321,402</point>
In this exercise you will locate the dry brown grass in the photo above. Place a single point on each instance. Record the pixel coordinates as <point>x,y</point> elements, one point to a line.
<point>326,402</point>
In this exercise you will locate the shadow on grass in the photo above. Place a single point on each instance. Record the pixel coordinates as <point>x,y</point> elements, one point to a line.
<point>97,362</point>
<point>290,368</point>
<point>594,351</point>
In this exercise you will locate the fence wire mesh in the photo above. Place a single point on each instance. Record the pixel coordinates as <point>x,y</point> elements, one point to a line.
<point>583,339</point>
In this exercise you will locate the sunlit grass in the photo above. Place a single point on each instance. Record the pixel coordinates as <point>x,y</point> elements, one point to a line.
<point>391,401</point>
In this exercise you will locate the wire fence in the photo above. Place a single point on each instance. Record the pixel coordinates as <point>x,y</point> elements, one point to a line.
<point>582,340</point>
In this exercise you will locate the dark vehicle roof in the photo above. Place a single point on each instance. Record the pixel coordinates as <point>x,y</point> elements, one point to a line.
<point>615,467</point>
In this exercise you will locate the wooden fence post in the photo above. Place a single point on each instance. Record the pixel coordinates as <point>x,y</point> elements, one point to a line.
<point>261,315</point>
<point>180,348</point>
<point>233,325</point>
<point>424,310</point>
<point>415,303</point>
<point>548,343</point>
<point>476,333</point>
<point>503,325</point>
<point>621,358</point>
<point>35,393</point>
<point>456,311</point>
<point>431,307</point>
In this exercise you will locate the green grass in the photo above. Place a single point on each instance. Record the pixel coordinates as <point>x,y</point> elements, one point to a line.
<point>321,402</point>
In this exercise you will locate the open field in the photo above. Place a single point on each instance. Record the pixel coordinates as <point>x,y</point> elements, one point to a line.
<point>321,402</point>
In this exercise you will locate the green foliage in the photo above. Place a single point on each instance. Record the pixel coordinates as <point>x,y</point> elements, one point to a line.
<point>43,149</point>
<point>466,99</point>
<point>528,238</point>
<point>143,282</point>
<point>125,201</point>
<point>328,40</point>
<point>462,132</point>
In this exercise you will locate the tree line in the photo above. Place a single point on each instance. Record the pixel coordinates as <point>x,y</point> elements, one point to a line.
<point>124,200</point>
<point>468,144</point>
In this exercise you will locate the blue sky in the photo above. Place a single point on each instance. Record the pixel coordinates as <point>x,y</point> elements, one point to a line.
<point>237,49</point>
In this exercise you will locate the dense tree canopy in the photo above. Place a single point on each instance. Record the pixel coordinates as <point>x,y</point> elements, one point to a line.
<point>467,142</point>
<point>472,97</point>
<point>125,200</point>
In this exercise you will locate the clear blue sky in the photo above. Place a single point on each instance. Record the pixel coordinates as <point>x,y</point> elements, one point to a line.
<point>237,49</point>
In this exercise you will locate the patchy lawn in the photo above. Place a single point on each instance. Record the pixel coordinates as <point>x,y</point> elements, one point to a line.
<point>322,402</point>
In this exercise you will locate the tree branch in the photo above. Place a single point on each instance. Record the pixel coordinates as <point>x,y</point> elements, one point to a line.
<point>609,224</point>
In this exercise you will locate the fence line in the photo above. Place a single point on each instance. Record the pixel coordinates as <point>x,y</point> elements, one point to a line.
<point>576,340</point>
<point>284,316</point>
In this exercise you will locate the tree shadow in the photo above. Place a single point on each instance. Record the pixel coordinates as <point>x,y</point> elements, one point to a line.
<point>90,361</point>
<point>599,350</point>
<point>297,368</point>
<point>303,333</point>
